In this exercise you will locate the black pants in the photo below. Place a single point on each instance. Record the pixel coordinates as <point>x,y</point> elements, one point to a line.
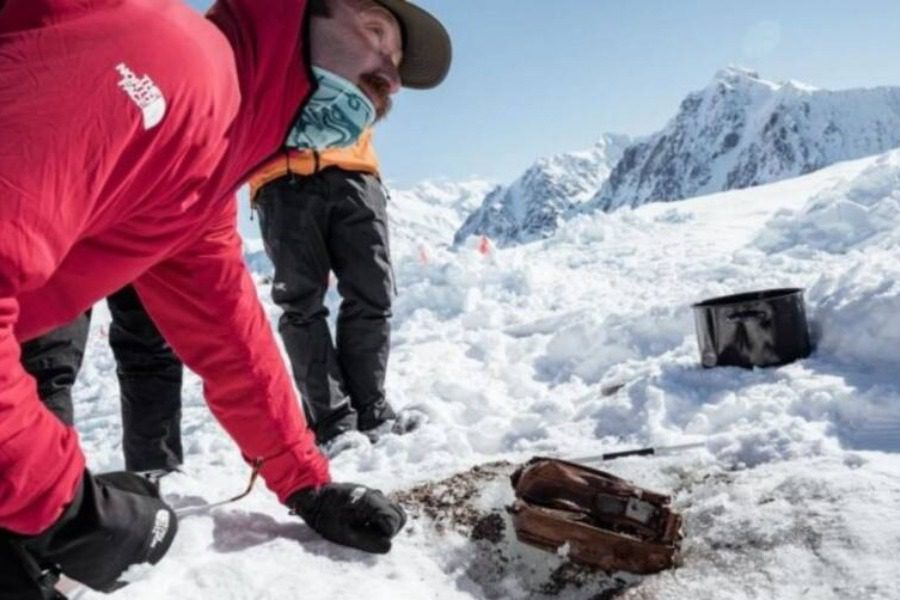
<point>149,380</point>
<point>334,220</point>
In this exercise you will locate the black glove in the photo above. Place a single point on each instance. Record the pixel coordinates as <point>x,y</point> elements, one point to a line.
<point>115,520</point>
<point>350,514</point>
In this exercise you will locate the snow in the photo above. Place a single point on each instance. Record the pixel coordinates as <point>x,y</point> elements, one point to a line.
<point>579,344</point>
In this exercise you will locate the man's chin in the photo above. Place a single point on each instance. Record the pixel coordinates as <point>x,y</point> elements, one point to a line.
<point>382,105</point>
<point>381,102</point>
<point>381,111</point>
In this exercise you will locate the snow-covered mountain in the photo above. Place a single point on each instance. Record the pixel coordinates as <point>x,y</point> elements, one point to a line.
<point>530,208</point>
<point>432,211</point>
<point>742,131</point>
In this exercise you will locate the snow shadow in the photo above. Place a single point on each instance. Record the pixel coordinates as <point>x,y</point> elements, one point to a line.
<point>236,531</point>
<point>750,417</point>
<point>589,345</point>
<point>186,504</point>
<point>868,417</point>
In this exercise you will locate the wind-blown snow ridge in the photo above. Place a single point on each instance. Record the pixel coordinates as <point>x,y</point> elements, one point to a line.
<point>855,225</point>
<point>861,213</point>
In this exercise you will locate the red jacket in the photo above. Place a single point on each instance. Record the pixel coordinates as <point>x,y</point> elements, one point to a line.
<point>125,127</point>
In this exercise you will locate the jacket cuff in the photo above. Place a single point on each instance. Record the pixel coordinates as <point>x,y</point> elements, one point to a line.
<point>295,469</point>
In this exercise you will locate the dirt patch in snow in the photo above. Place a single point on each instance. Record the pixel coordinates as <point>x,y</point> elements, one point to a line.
<point>449,503</point>
<point>490,528</point>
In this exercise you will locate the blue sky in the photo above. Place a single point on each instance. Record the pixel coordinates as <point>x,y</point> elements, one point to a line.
<point>536,77</point>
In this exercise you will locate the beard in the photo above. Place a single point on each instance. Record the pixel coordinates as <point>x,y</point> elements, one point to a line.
<point>379,93</point>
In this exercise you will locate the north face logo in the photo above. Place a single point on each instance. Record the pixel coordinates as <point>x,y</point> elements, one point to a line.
<point>145,93</point>
<point>160,528</point>
<point>357,494</point>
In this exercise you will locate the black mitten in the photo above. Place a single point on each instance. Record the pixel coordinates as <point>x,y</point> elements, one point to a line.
<point>350,514</point>
<point>115,521</point>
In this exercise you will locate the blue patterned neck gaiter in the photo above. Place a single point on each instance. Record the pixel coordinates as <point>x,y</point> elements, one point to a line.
<point>335,117</point>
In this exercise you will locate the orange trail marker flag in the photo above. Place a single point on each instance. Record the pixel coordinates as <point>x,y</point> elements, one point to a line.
<point>484,246</point>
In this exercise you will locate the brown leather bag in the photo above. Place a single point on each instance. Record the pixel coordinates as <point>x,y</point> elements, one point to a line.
<point>606,521</point>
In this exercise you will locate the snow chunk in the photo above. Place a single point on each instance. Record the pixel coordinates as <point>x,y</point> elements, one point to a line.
<point>852,215</point>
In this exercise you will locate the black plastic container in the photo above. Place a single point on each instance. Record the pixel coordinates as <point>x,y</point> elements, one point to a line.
<point>756,329</point>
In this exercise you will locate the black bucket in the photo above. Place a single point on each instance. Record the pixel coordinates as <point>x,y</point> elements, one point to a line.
<point>756,329</point>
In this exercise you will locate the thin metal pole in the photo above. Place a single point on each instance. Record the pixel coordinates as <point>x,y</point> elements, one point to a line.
<point>650,451</point>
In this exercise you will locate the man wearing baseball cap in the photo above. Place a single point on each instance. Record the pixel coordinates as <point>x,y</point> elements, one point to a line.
<point>120,155</point>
